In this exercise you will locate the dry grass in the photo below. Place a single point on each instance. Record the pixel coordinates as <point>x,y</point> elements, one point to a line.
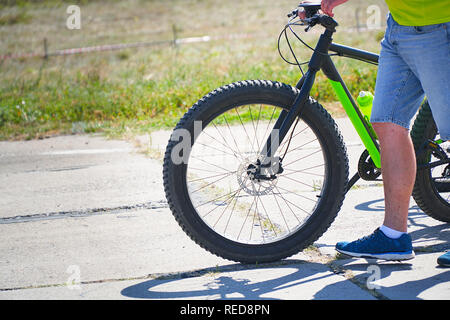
<point>152,86</point>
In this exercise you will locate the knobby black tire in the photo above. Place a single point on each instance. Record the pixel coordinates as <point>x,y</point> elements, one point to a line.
<point>425,192</point>
<point>262,92</point>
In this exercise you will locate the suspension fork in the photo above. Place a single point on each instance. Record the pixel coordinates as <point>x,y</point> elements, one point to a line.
<point>284,113</point>
<point>287,118</point>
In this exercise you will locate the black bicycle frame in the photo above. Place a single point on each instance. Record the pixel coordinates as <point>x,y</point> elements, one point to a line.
<point>321,60</point>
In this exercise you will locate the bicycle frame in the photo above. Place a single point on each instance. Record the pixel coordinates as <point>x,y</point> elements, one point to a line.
<point>321,60</point>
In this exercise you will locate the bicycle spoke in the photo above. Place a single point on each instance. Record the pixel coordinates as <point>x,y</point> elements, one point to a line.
<point>245,130</point>
<point>233,198</point>
<point>256,128</point>
<point>267,215</point>
<point>303,170</point>
<point>281,211</point>
<point>211,164</point>
<point>229,218</point>
<point>204,216</point>
<point>211,147</point>
<point>212,183</point>
<point>223,138</point>
<point>287,204</point>
<point>215,199</point>
<point>295,204</point>
<point>304,157</point>
<point>292,171</point>
<point>270,121</point>
<point>308,185</point>
<point>297,194</point>
<point>248,212</point>
<point>216,175</point>
<point>285,142</point>
<point>231,132</point>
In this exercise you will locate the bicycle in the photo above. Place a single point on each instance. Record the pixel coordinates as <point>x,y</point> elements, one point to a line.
<point>234,188</point>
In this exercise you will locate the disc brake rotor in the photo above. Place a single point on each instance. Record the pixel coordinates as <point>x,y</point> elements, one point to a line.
<point>253,187</point>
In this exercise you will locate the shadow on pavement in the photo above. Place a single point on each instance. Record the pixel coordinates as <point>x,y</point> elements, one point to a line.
<point>396,280</point>
<point>297,275</point>
<point>298,279</point>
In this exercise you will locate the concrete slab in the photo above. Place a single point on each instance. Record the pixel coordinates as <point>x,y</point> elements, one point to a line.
<point>71,173</point>
<point>295,281</point>
<point>89,211</point>
<point>417,279</point>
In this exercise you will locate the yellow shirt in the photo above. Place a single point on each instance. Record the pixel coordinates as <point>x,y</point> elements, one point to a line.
<point>419,12</point>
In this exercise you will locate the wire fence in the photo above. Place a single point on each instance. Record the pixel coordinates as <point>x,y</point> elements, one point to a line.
<point>120,46</point>
<point>45,53</point>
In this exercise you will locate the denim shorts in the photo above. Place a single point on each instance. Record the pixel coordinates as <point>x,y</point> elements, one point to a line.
<point>414,62</point>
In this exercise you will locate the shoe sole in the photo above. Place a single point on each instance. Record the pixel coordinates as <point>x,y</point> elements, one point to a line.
<point>391,256</point>
<point>443,264</point>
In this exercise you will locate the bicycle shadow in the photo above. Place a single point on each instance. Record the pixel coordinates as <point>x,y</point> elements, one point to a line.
<point>307,278</point>
<point>299,279</point>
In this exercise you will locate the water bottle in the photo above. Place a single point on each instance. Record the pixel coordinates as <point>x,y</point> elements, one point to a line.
<point>365,100</point>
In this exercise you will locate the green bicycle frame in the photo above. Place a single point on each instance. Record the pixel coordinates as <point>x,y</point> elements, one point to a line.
<point>360,125</point>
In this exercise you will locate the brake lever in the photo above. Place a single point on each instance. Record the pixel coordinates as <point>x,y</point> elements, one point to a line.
<point>293,13</point>
<point>311,22</point>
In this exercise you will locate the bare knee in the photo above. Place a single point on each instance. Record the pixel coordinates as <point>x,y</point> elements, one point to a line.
<point>387,130</point>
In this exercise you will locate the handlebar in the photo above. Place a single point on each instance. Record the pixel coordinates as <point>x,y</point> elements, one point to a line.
<point>313,17</point>
<point>309,8</point>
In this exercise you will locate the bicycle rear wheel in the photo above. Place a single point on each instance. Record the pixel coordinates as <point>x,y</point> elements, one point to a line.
<point>432,187</point>
<point>218,203</point>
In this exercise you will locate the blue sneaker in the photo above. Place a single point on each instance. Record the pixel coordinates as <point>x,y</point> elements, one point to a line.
<point>379,246</point>
<point>444,260</point>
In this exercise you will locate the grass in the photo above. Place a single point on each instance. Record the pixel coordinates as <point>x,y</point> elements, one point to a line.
<point>14,18</point>
<point>142,89</point>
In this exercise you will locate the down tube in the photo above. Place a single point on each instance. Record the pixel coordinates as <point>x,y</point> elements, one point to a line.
<point>357,122</point>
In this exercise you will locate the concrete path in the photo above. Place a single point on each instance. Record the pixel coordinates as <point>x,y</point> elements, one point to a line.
<point>82,217</point>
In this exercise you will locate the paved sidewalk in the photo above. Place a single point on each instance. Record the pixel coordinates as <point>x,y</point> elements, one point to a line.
<point>82,217</point>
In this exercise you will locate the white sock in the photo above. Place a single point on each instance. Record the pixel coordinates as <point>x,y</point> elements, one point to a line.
<point>391,233</point>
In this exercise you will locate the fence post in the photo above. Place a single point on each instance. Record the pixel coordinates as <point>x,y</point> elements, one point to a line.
<point>45,49</point>
<point>174,33</point>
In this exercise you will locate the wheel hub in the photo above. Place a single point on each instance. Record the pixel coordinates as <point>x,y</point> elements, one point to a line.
<point>257,178</point>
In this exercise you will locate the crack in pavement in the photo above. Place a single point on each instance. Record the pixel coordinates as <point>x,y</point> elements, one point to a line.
<point>314,255</point>
<point>84,212</point>
<point>173,275</point>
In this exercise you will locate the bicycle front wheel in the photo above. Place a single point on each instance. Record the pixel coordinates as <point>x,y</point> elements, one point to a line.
<point>216,200</point>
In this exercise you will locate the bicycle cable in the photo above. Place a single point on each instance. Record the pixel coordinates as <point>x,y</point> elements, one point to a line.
<point>284,32</point>
<point>297,63</point>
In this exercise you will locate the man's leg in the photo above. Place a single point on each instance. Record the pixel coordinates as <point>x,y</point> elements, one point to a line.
<point>428,51</point>
<point>398,163</point>
<point>398,94</point>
